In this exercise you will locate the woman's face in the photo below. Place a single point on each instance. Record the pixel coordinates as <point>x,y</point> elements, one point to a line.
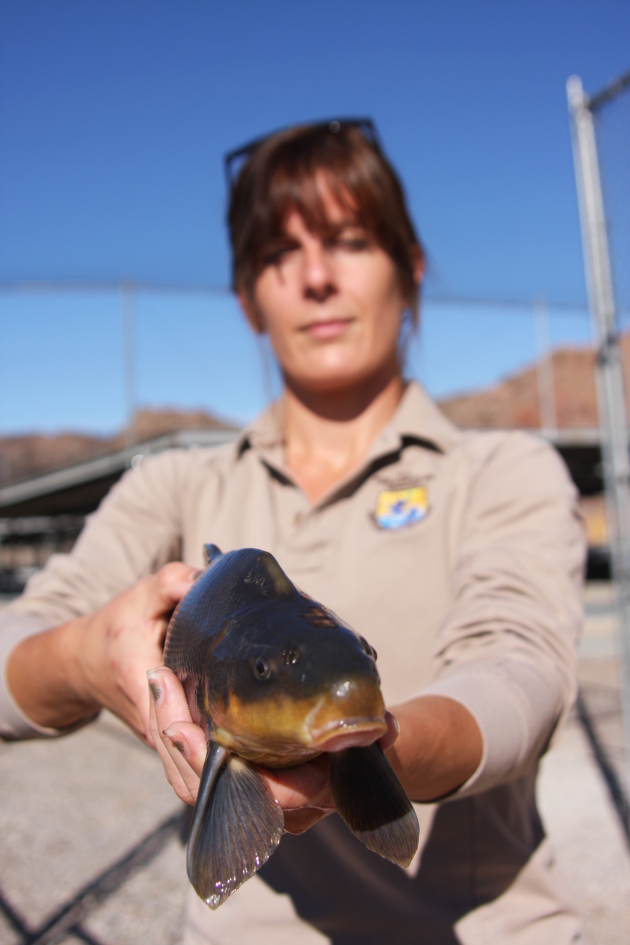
<point>331,306</point>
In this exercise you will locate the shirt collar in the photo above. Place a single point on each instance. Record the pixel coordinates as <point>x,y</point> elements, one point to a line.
<point>265,432</point>
<point>416,417</point>
<point>417,421</point>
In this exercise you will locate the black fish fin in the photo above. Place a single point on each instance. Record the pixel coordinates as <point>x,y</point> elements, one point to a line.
<point>373,803</point>
<point>210,554</point>
<point>269,577</point>
<point>236,826</point>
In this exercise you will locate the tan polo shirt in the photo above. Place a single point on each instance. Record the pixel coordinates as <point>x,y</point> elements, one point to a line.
<point>459,557</point>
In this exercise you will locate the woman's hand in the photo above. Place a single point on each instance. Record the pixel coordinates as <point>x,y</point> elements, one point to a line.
<point>67,674</point>
<point>303,792</point>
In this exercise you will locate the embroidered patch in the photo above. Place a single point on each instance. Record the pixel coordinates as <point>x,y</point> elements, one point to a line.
<point>397,508</point>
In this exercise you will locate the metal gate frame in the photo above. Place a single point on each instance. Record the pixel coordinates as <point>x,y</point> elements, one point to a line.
<point>610,386</point>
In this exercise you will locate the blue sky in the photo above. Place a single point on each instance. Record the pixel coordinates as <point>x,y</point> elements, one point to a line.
<point>113,120</point>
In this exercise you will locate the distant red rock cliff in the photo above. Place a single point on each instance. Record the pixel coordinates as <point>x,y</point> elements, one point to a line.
<point>514,402</point>
<point>32,455</point>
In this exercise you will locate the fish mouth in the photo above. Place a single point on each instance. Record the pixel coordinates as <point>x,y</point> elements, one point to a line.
<point>348,733</point>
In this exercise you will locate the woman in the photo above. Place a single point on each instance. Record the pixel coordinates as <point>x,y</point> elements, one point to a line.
<point>458,556</point>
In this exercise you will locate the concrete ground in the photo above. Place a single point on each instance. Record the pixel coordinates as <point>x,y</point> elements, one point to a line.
<point>71,808</point>
<point>593,856</point>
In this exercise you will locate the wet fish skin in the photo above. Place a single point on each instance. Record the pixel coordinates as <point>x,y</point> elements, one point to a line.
<point>274,678</point>
<point>315,669</point>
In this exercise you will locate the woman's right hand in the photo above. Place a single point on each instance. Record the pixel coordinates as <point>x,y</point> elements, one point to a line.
<point>64,675</point>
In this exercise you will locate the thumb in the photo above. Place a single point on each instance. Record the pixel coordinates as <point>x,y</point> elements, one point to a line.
<point>168,586</point>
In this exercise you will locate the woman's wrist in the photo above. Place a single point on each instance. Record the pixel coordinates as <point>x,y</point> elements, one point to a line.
<point>47,679</point>
<point>439,748</point>
<point>66,675</point>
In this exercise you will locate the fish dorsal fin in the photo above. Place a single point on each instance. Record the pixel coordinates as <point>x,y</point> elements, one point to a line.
<point>210,554</point>
<point>269,577</point>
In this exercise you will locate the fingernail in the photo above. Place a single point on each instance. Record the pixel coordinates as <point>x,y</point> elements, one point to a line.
<point>176,741</point>
<point>157,692</point>
<point>396,723</point>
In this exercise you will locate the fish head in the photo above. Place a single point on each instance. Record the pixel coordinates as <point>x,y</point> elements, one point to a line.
<point>302,679</point>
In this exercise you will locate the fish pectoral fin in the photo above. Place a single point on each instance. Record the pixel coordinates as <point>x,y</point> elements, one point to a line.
<point>237,825</point>
<point>373,803</point>
<point>210,554</point>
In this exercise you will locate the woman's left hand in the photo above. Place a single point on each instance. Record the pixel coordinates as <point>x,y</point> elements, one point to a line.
<point>303,791</point>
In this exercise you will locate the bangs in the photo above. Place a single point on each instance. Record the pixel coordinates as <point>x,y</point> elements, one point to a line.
<point>306,188</point>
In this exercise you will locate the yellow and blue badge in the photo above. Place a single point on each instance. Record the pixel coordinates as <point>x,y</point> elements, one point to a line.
<point>397,508</point>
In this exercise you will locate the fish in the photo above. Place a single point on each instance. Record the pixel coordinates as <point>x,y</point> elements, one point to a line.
<point>274,678</point>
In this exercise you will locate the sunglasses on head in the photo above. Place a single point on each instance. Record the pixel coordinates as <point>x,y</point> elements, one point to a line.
<point>234,160</point>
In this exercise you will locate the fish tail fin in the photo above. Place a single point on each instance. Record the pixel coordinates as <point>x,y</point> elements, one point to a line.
<point>210,554</point>
<point>237,824</point>
<point>373,803</point>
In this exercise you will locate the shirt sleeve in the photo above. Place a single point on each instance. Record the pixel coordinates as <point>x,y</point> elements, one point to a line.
<point>134,532</point>
<point>507,649</point>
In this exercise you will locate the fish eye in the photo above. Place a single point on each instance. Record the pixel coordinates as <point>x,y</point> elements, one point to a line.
<point>262,670</point>
<point>368,649</point>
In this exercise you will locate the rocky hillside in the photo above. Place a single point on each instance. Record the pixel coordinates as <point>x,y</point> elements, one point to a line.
<point>24,456</point>
<point>514,401</point>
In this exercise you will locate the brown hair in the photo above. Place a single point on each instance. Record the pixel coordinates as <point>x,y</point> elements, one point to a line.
<point>281,174</point>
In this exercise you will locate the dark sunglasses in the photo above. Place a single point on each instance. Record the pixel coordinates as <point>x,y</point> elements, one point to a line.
<point>234,160</point>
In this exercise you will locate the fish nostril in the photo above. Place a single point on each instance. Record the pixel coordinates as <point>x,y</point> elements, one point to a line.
<point>262,670</point>
<point>368,649</point>
<point>291,657</point>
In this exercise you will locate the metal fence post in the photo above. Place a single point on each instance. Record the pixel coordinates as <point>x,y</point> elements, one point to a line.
<point>127,315</point>
<point>610,388</point>
<point>544,366</point>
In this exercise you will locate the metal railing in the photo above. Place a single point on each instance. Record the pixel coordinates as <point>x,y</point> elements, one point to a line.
<point>610,382</point>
